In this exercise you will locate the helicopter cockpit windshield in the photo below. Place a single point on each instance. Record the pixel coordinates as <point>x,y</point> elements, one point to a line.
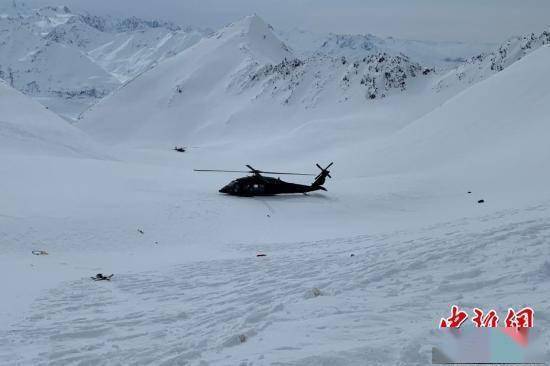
<point>233,187</point>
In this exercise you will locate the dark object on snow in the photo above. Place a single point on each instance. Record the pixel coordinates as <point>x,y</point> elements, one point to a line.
<point>316,292</point>
<point>101,277</point>
<point>352,255</point>
<point>469,192</point>
<point>40,252</point>
<point>481,201</point>
<point>140,231</point>
<point>261,255</point>
<point>179,149</point>
<point>259,185</point>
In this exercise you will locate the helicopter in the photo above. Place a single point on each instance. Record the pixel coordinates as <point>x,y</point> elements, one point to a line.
<point>257,184</point>
<point>179,149</point>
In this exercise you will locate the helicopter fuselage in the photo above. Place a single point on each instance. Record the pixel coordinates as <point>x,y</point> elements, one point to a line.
<point>258,185</point>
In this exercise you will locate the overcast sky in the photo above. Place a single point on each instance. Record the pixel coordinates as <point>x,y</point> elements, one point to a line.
<point>454,20</point>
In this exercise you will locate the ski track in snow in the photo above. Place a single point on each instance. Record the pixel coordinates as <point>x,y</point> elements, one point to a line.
<point>395,287</point>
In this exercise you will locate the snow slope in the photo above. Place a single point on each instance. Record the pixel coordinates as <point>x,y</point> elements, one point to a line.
<point>500,121</point>
<point>189,91</point>
<point>128,55</point>
<point>28,128</point>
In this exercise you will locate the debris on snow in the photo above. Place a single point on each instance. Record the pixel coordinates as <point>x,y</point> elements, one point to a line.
<point>101,277</point>
<point>40,252</point>
<point>236,340</point>
<point>315,292</point>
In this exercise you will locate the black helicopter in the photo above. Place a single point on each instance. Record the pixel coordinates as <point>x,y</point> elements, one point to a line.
<point>259,185</point>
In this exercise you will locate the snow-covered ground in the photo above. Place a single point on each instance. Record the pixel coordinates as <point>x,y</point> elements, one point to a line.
<point>356,275</point>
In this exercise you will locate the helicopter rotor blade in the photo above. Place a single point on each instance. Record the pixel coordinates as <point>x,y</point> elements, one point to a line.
<point>328,166</point>
<point>251,171</point>
<point>221,171</point>
<point>283,173</point>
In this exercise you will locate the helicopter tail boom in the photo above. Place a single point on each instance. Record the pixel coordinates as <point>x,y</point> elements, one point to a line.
<point>318,188</point>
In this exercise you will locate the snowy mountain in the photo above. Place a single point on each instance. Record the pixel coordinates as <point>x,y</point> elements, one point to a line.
<point>195,87</point>
<point>124,47</point>
<point>243,85</point>
<point>45,69</point>
<point>486,64</point>
<point>439,55</point>
<point>109,51</point>
<point>217,87</point>
<point>28,128</point>
<point>69,61</point>
<point>306,81</point>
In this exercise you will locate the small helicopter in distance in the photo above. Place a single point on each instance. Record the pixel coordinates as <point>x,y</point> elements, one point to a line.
<point>259,185</point>
<point>179,149</point>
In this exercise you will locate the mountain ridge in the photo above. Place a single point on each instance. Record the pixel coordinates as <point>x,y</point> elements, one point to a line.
<point>215,88</point>
<point>100,52</point>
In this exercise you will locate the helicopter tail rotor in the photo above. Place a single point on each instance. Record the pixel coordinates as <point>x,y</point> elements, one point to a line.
<point>320,179</point>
